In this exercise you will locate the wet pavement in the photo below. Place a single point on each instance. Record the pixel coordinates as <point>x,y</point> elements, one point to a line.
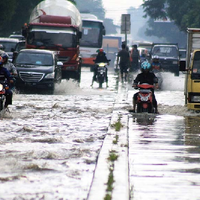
<point>57,146</point>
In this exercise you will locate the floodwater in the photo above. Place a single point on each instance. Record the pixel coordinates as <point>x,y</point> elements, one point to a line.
<point>164,151</point>
<point>49,144</point>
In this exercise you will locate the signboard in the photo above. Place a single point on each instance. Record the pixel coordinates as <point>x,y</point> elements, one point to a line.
<point>126,24</point>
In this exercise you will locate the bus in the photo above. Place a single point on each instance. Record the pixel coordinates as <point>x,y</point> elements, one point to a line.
<point>92,38</point>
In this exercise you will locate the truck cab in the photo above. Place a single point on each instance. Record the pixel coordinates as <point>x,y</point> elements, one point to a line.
<point>192,87</point>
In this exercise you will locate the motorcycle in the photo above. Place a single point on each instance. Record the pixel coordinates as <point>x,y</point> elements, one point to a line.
<point>144,98</point>
<point>3,87</point>
<point>101,75</point>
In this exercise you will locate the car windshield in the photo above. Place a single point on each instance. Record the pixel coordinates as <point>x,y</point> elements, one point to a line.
<point>165,51</point>
<point>196,63</point>
<point>26,58</point>
<point>8,46</point>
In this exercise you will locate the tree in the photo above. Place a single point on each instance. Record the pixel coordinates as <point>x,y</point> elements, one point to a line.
<point>93,6</point>
<point>14,14</point>
<point>7,12</point>
<point>184,13</point>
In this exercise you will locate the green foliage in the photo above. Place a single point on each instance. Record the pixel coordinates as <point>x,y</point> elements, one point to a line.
<point>14,13</point>
<point>7,12</point>
<point>184,13</point>
<point>155,8</point>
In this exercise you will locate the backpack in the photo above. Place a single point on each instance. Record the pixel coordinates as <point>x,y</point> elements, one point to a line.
<point>135,53</point>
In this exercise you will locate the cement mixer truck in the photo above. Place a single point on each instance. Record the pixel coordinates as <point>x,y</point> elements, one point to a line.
<point>57,25</point>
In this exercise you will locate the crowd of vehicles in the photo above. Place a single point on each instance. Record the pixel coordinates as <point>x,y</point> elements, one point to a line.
<point>57,26</point>
<point>58,30</point>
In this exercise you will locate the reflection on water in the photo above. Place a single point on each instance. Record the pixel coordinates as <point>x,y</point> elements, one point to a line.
<point>164,157</point>
<point>192,138</point>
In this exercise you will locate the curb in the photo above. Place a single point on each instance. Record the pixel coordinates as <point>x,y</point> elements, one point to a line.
<point>120,168</point>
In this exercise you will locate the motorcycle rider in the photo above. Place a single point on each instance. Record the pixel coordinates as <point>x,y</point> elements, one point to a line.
<point>155,64</point>
<point>101,57</point>
<point>5,76</point>
<point>8,65</point>
<point>124,61</point>
<point>146,76</point>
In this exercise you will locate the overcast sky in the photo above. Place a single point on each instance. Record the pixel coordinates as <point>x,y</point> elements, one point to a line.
<point>114,8</point>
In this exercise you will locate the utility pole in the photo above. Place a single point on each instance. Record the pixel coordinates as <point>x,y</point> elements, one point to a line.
<point>125,25</point>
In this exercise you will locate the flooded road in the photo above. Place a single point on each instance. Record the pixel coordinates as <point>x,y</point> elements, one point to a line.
<point>164,150</point>
<point>49,144</point>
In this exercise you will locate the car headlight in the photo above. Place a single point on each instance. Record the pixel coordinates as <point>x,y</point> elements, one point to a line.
<point>51,75</point>
<point>1,87</point>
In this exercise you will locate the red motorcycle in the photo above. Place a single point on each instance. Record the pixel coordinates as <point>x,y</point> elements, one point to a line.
<point>144,98</point>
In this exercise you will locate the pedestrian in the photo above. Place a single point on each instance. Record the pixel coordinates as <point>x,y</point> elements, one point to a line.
<point>134,57</point>
<point>124,63</point>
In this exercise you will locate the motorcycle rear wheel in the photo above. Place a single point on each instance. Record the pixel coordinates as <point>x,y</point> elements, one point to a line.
<point>140,108</point>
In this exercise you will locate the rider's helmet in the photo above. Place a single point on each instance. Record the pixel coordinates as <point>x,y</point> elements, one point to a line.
<point>1,47</point>
<point>155,59</point>
<point>145,66</point>
<point>5,57</point>
<point>101,50</point>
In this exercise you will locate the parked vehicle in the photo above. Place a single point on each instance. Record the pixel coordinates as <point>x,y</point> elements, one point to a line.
<point>38,69</point>
<point>57,26</point>
<point>144,99</point>
<point>192,80</point>
<point>9,45</point>
<point>168,56</point>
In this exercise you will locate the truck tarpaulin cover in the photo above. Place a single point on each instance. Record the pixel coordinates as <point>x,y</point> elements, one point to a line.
<point>55,19</point>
